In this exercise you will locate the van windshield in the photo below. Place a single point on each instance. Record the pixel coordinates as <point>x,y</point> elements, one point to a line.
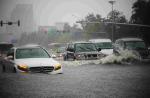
<point>135,44</point>
<point>104,45</point>
<point>85,47</point>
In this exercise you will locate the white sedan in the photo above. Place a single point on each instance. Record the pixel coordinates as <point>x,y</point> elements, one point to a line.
<point>34,59</point>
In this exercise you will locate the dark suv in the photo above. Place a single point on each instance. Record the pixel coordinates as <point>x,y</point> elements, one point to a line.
<point>81,51</point>
<point>135,45</point>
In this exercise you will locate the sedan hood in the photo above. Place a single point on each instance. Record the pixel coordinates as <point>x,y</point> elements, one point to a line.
<point>34,62</point>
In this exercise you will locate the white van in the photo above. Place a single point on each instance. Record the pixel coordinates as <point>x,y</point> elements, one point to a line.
<point>104,44</point>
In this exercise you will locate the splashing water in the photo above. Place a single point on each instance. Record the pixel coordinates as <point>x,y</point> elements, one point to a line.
<point>125,56</point>
<point>79,62</point>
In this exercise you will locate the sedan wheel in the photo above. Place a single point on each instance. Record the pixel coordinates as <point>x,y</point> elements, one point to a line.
<point>14,70</point>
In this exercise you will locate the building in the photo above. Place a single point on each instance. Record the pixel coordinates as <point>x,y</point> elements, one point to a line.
<point>24,13</point>
<point>46,29</point>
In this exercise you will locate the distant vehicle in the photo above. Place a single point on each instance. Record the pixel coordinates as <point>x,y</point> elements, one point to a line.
<point>104,44</point>
<point>34,59</point>
<point>4,48</point>
<point>82,51</point>
<point>55,46</point>
<point>135,45</point>
<point>57,49</point>
<point>61,51</point>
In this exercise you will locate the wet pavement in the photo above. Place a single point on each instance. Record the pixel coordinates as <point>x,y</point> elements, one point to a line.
<point>85,81</point>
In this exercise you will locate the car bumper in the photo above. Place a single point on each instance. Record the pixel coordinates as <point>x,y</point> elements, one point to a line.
<point>60,71</point>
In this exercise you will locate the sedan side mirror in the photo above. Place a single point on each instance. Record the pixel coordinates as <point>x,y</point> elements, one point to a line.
<point>53,56</point>
<point>10,57</point>
<point>99,49</point>
<point>70,49</point>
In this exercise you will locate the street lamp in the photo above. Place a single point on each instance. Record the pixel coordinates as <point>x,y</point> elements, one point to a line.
<point>113,19</point>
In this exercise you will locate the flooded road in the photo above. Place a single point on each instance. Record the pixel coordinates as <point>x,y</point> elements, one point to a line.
<point>85,81</point>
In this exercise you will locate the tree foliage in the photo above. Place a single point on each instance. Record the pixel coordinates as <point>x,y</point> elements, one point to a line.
<point>141,12</point>
<point>88,23</point>
<point>91,23</point>
<point>95,23</point>
<point>119,17</point>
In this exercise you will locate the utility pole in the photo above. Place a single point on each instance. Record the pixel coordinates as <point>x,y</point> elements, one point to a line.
<point>113,18</point>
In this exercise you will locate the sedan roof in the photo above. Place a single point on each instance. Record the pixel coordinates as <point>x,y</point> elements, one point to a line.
<point>29,46</point>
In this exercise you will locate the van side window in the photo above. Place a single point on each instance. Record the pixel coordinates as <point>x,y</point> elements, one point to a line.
<point>117,42</point>
<point>11,53</point>
<point>121,44</point>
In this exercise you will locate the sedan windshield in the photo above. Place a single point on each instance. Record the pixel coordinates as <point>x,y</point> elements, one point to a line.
<point>31,53</point>
<point>135,45</point>
<point>104,45</point>
<point>85,47</point>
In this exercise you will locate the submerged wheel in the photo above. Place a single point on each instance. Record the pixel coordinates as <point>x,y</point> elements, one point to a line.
<point>14,70</point>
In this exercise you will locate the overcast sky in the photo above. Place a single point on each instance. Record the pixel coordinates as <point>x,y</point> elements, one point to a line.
<point>48,12</point>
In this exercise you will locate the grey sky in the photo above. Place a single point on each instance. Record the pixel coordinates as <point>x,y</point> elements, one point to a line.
<point>47,12</point>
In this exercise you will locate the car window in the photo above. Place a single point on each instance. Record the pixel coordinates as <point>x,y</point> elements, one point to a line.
<point>61,49</point>
<point>4,48</point>
<point>31,53</point>
<point>104,45</point>
<point>135,44</point>
<point>121,43</point>
<point>117,41</point>
<point>11,53</point>
<point>85,47</point>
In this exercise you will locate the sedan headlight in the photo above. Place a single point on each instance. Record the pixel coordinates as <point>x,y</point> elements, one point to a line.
<point>22,67</point>
<point>57,66</point>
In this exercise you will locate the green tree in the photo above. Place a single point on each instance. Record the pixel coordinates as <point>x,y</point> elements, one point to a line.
<point>119,17</point>
<point>141,12</point>
<point>141,15</point>
<point>89,23</point>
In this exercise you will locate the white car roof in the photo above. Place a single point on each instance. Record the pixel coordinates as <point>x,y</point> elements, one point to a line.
<point>130,39</point>
<point>81,42</point>
<point>28,46</point>
<point>100,40</point>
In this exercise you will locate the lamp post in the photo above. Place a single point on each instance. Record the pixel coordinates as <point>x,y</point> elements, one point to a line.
<point>113,19</point>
